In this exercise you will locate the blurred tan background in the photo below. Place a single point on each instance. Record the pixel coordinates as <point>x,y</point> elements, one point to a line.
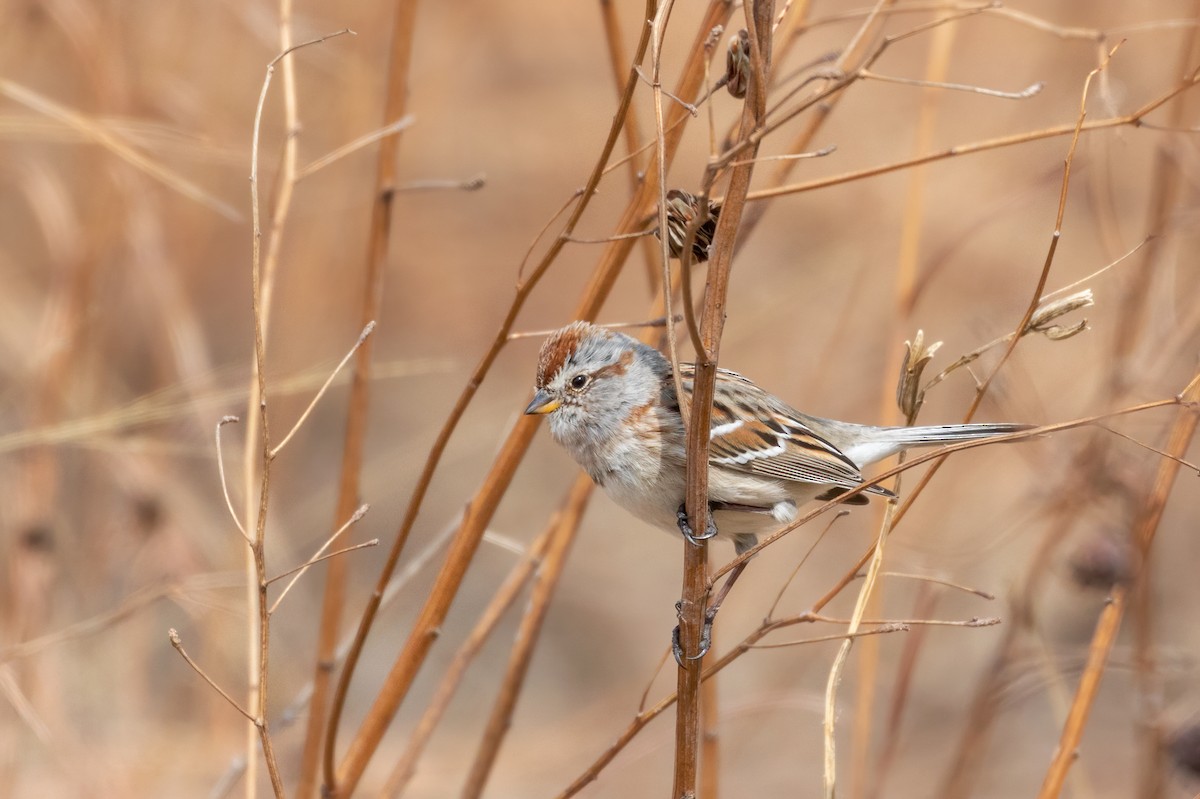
<point>126,333</point>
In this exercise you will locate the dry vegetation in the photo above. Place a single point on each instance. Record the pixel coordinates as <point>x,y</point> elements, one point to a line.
<point>519,639</point>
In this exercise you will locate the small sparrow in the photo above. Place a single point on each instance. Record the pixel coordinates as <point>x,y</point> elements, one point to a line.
<point>612,404</point>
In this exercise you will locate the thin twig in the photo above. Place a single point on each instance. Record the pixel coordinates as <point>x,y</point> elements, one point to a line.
<point>316,559</point>
<point>473,183</point>
<point>1024,94</point>
<point>351,147</point>
<point>321,391</point>
<point>941,581</point>
<point>561,536</point>
<point>896,627</point>
<point>318,556</point>
<point>811,548</point>
<point>178,644</point>
<point>225,483</point>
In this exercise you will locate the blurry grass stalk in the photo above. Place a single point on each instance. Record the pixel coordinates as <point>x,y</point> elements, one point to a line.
<point>899,361</point>
<point>1109,622</point>
<point>349,483</point>
<point>559,538</point>
<point>508,593</point>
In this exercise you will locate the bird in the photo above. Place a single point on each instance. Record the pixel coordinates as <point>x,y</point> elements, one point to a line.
<point>611,402</point>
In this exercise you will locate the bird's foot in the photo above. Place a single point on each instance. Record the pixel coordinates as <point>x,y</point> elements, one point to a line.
<point>686,528</point>
<point>710,615</point>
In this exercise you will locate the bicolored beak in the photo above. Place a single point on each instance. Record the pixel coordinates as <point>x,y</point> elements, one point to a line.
<point>543,403</point>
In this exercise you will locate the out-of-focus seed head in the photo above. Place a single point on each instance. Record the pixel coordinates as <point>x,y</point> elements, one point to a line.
<point>737,64</point>
<point>1184,749</point>
<point>1103,560</point>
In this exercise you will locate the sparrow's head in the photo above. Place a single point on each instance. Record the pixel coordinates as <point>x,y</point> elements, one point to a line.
<point>590,380</point>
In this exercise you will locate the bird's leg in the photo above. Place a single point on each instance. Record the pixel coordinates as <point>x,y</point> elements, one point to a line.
<point>710,613</point>
<point>686,528</point>
<point>705,637</point>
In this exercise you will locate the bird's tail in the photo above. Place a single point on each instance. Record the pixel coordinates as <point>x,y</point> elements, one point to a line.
<point>949,433</point>
<point>886,441</point>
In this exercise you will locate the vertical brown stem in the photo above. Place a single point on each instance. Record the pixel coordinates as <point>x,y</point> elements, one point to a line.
<point>619,61</point>
<point>695,583</point>
<point>403,27</point>
<point>710,737</point>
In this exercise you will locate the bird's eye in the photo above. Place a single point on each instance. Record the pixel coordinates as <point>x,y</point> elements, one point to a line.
<point>579,381</point>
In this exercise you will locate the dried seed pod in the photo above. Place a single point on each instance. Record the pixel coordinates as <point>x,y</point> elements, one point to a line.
<point>1048,311</point>
<point>737,64</point>
<point>908,388</point>
<point>682,209</point>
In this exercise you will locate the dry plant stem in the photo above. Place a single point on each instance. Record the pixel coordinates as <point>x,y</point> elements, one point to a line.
<point>804,138</point>
<point>618,59</point>
<point>178,645</point>
<point>221,476</point>
<point>1164,205</point>
<point>1110,618</point>
<point>710,737</point>
<point>100,132</point>
<point>319,555</point>
<point>988,694</point>
<point>939,581</point>
<point>483,505</point>
<point>258,442</point>
<point>693,603</point>
<point>505,596</point>
<point>374,542</point>
<point>905,671</point>
<point>835,672</point>
<point>549,571</point>
<point>350,148</point>
<point>378,246</point>
<point>1133,118</point>
<point>321,391</point>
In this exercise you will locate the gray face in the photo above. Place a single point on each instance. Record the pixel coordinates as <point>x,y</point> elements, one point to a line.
<point>591,379</point>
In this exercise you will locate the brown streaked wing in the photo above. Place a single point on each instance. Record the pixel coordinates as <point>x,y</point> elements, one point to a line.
<point>768,441</point>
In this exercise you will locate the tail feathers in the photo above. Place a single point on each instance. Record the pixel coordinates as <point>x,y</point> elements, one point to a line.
<point>889,441</point>
<point>948,433</point>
